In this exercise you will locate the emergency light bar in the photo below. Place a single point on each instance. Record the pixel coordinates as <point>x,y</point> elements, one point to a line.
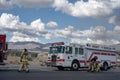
<point>57,43</point>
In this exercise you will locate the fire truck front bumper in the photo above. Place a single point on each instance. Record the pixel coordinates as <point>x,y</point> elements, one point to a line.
<point>54,64</point>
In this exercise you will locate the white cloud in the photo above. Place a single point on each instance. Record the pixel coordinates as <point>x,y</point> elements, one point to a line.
<point>78,41</point>
<point>117,28</point>
<point>115,4</point>
<point>48,36</point>
<point>98,35</point>
<point>91,8</point>
<point>94,8</point>
<point>11,24</point>
<point>69,28</point>
<point>94,41</point>
<point>4,4</point>
<point>21,31</point>
<point>9,21</point>
<point>52,24</point>
<point>115,20</point>
<point>95,33</point>
<point>103,41</point>
<point>64,33</point>
<point>33,3</point>
<point>20,37</point>
<point>38,25</point>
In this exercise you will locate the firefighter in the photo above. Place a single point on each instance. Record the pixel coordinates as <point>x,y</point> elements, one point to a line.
<point>24,61</point>
<point>94,65</point>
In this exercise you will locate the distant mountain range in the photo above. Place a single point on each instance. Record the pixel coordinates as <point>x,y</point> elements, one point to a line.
<point>35,46</point>
<point>32,46</point>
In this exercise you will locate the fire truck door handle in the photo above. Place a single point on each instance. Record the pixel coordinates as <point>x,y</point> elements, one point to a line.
<point>68,57</point>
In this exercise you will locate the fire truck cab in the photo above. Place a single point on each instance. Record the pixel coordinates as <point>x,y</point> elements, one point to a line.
<point>3,48</point>
<point>77,56</point>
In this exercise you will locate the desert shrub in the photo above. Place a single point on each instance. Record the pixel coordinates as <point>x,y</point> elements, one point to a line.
<point>34,54</point>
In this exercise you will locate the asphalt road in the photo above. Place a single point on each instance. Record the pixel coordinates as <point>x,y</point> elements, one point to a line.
<point>53,74</point>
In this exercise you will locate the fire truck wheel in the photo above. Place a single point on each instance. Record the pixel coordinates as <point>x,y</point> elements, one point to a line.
<point>75,66</point>
<point>60,68</point>
<point>105,66</point>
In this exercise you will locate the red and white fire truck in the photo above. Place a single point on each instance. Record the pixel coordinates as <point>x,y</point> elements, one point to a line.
<point>3,48</point>
<point>77,56</point>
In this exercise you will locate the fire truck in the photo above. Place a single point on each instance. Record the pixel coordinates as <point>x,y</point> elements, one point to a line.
<point>77,56</point>
<point>3,48</point>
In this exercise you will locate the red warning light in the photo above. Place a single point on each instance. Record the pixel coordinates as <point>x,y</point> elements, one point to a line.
<point>58,43</point>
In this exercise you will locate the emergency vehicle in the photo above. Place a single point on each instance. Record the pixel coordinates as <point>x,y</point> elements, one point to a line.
<point>3,48</point>
<point>77,56</point>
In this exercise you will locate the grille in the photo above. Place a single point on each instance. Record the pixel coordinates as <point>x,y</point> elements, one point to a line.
<point>54,58</point>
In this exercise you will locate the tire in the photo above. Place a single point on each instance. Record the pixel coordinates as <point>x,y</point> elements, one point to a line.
<point>75,66</point>
<point>60,68</point>
<point>105,66</point>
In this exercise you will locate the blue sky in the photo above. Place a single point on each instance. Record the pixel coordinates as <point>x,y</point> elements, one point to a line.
<point>77,21</point>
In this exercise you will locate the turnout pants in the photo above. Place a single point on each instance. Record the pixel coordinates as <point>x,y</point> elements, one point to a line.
<point>24,66</point>
<point>94,67</point>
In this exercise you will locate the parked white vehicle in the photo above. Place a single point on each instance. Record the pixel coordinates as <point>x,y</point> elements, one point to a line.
<point>77,56</point>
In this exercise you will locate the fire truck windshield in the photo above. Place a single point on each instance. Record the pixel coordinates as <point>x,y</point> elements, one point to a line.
<point>57,49</point>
